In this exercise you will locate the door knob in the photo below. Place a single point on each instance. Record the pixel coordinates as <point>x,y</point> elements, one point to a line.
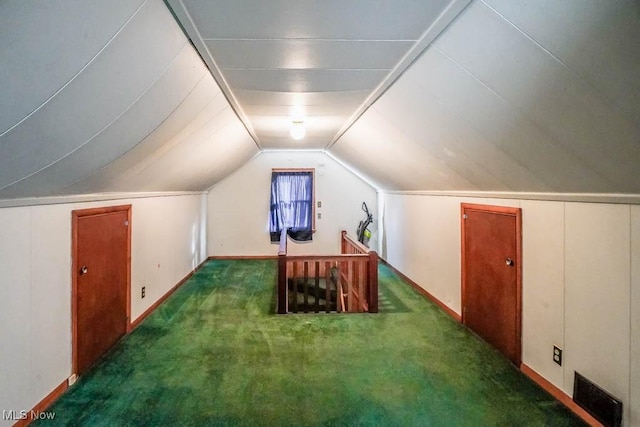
<point>509,262</point>
<point>84,270</point>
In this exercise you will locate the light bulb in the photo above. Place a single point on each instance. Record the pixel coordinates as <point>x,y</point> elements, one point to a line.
<point>297,130</point>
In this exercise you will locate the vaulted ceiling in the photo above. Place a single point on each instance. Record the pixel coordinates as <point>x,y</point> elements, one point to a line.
<point>500,95</point>
<point>319,62</point>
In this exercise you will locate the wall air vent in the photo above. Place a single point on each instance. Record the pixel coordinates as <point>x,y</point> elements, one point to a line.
<point>600,404</point>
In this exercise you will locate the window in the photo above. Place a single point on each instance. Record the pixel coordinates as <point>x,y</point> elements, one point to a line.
<point>292,204</point>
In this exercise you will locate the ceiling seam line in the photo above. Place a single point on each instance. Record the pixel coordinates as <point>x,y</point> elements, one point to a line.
<point>107,44</point>
<point>582,79</point>
<point>546,132</point>
<point>389,81</point>
<point>436,161</point>
<point>150,133</point>
<point>455,168</point>
<point>457,115</point>
<point>106,126</point>
<point>224,86</point>
<point>163,150</point>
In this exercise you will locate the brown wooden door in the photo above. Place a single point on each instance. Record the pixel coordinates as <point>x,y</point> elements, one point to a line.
<point>101,269</point>
<point>491,284</point>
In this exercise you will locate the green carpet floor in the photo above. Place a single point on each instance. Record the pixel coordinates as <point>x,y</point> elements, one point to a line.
<point>215,354</point>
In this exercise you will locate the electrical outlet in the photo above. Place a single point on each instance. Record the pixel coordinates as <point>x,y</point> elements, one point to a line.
<point>144,289</point>
<point>319,203</point>
<point>319,215</point>
<point>71,380</point>
<point>557,355</point>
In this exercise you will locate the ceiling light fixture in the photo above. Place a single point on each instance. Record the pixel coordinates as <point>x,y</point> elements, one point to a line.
<point>297,130</point>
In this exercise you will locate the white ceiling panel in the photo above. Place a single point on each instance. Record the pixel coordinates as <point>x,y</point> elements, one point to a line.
<point>306,80</point>
<point>209,121</point>
<point>500,137</point>
<point>426,123</point>
<point>280,110</point>
<point>286,142</point>
<point>496,101</point>
<point>513,95</point>
<point>322,125</point>
<point>314,19</point>
<point>307,54</point>
<point>324,99</point>
<point>273,131</point>
<point>123,134</point>
<point>35,64</point>
<point>320,135</point>
<point>596,39</point>
<point>541,87</point>
<point>393,161</point>
<point>197,162</point>
<point>276,50</point>
<point>198,108</point>
<point>280,141</point>
<point>95,98</point>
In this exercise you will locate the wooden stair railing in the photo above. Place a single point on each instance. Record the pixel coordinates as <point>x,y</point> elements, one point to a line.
<point>369,296</point>
<point>329,283</point>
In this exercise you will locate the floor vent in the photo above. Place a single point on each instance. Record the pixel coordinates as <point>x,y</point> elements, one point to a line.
<point>600,404</point>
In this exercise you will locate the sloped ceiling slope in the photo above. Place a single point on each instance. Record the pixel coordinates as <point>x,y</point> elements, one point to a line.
<point>108,96</point>
<point>526,95</point>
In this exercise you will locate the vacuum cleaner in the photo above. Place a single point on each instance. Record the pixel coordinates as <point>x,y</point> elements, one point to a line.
<point>363,232</point>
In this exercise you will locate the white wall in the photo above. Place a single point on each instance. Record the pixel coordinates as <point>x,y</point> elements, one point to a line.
<point>35,282</point>
<point>168,242</point>
<point>581,281</point>
<point>634,392</point>
<point>543,287</point>
<point>422,239</point>
<point>597,295</point>
<point>238,207</point>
